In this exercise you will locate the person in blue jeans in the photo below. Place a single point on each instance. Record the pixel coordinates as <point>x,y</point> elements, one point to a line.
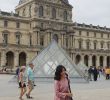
<point>30,75</point>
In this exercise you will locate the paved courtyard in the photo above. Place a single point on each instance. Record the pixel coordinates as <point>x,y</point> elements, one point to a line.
<point>99,90</point>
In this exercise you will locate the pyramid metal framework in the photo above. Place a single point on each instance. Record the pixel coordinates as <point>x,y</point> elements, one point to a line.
<point>83,68</point>
<point>53,55</point>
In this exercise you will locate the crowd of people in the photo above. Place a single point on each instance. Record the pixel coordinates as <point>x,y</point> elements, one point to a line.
<point>6,69</point>
<point>96,72</point>
<point>62,82</point>
<point>25,80</point>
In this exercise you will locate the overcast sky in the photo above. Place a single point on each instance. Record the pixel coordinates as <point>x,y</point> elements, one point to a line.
<point>96,12</point>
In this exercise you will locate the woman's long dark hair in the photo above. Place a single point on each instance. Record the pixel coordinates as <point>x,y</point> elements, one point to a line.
<point>58,72</point>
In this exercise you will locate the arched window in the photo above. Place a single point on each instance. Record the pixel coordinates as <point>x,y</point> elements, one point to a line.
<point>55,37</point>
<point>22,59</point>
<point>77,59</point>
<point>65,15</point>
<point>86,59</point>
<point>41,40</point>
<point>94,60</point>
<point>53,13</point>
<point>10,59</point>
<point>95,45</point>
<point>41,11</point>
<point>88,45</point>
<point>5,37</point>
<point>102,45</point>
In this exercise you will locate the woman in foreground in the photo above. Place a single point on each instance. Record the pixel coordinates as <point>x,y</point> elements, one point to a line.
<point>62,90</point>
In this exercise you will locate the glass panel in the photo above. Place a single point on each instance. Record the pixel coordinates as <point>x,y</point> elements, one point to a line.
<point>52,56</point>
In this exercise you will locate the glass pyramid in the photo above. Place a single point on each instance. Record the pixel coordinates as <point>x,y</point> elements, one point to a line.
<point>83,68</point>
<point>46,62</point>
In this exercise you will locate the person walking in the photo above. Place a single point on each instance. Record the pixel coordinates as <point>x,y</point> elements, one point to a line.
<point>17,73</point>
<point>90,73</point>
<point>95,74</point>
<point>107,72</point>
<point>22,81</point>
<point>30,75</point>
<point>62,91</point>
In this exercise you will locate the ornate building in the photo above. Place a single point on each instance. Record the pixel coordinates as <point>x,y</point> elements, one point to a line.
<point>37,22</point>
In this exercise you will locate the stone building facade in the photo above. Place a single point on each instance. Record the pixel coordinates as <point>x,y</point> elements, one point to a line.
<point>36,22</point>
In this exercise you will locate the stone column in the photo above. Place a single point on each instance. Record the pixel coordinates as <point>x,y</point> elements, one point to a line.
<point>72,41</point>
<point>90,60</point>
<point>48,38</point>
<point>34,39</point>
<point>105,61</point>
<point>69,41</point>
<point>16,59</point>
<point>84,44</point>
<point>62,40</point>
<point>82,58</point>
<point>3,58</point>
<point>38,37</point>
<point>97,61</point>
<point>73,56</point>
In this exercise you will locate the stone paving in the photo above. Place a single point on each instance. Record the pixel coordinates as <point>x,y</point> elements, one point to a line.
<point>99,90</point>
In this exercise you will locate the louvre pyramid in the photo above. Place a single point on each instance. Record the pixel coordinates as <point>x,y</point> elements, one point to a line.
<point>83,68</point>
<point>46,62</point>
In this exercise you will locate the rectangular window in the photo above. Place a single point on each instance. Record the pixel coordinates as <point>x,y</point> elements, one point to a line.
<point>94,34</point>
<point>102,45</point>
<point>108,45</point>
<point>17,25</point>
<point>30,25</point>
<point>5,23</point>
<point>101,35</point>
<point>87,33</point>
<point>17,39</point>
<point>18,13</point>
<point>41,41</point>
<point>80,32</point>
<point>108,35</point>
<point>88,47</point>
<point>30,40</point>
<point>80,44</point>
<point>95,45</point>
<point>5,40</point>
<point>42,25</point>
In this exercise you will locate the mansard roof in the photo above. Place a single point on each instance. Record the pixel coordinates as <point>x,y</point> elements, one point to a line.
<point>8,14</point>
<point>83,25</point>
<point>66,1</point>
<point>23,1</point>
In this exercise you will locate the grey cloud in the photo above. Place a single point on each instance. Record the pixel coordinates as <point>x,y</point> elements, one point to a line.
<point>85,11</point>
<point>92,11</point>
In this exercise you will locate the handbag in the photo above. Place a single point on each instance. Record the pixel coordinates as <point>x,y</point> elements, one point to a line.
<point>70,98</point>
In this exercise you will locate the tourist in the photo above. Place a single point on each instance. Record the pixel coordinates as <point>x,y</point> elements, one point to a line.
<point>17,73</point>
<point>62,91</point>
<point>22,81</point>
<point>30,75</point>
<point>90,72</point>
<point>95,73</point>
<point>107,72</point>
